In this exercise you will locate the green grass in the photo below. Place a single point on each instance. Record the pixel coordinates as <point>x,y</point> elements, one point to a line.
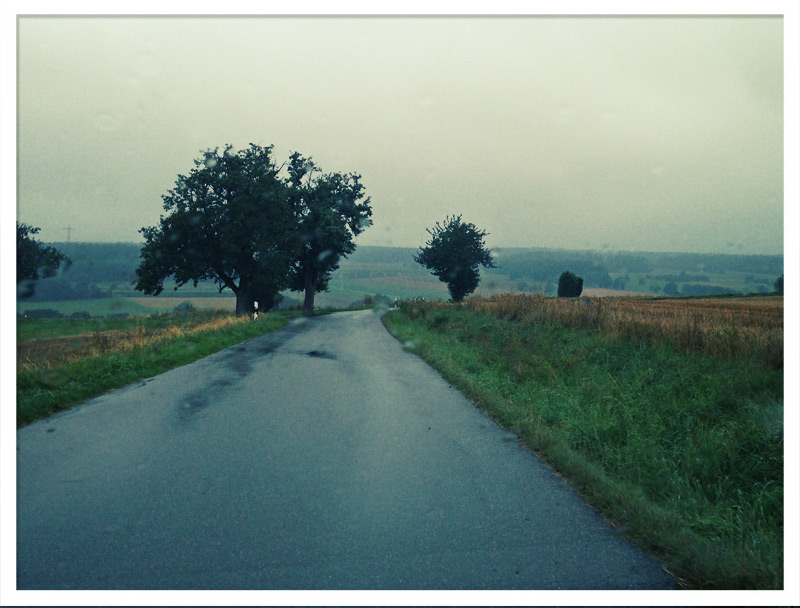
<point>96,307</point>
<point>685,450</point>
<point>30,329</point>
<point>43,392</point>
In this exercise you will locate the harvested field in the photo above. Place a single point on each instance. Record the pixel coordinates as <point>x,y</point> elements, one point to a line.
<point>45,353</point>
<point>725,327</point>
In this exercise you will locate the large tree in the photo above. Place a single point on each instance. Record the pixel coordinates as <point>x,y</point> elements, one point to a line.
<point>330,214</point>
<point>453,253</point>
<point>229,220</point>
<point>34,260</point>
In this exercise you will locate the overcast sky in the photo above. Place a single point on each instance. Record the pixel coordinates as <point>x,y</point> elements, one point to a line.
<point>638,133</point>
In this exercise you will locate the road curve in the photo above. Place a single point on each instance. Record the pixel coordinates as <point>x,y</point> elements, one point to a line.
<point>322,456</point>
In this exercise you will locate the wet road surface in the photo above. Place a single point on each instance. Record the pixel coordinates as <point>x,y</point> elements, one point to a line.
<point>322,456</point>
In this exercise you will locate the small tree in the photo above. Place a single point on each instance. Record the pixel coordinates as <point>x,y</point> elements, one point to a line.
<point>34,260</point>
<point>330,214</point>
<point>779,284</point>
<point>453,253</point>
<point>570,285</point>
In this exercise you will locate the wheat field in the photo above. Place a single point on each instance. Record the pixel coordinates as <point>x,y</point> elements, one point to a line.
<point>726,327</point>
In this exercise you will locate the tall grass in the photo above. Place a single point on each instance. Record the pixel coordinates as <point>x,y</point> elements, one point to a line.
<point>730,327</point>
<point>28,329</point>
<point>63,341</point>
<point>681,447</point>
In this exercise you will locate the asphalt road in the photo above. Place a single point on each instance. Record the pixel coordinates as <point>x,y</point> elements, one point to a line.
<point>322,456</point>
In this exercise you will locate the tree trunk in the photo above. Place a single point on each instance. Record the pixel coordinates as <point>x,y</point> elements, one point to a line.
<point>244,304</point>
<point>310,287</point>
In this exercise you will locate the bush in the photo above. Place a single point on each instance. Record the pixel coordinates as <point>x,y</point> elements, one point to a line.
<point>184,307</point>
<point>570,285</point>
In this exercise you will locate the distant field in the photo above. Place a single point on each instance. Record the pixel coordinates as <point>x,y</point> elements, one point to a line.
<point>120,305</point>
<point>97,307</point>
<point>162,303</point>
<point>341,294</point>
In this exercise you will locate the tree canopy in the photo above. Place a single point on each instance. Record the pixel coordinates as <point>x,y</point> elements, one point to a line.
<point>453,253</point>
<point>330,214</point>
<point>34,260</point>
<point>570,285</point>
<point>229,220</point>
<point>238,219</point>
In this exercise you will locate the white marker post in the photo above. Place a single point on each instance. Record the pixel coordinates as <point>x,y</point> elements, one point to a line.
<point>255,311</point>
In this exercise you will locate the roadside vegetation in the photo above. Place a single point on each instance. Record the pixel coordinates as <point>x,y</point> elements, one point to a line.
<point>666,415</point>
<point>64,362</point>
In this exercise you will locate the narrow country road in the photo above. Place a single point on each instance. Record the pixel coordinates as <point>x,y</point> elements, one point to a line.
<point>322,456</point>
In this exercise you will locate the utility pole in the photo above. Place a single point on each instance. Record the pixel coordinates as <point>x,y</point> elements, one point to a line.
<point>69,231</point>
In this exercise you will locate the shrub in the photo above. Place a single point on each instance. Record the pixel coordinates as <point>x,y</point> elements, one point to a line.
<point>570,285</point>
<point>184,307</point>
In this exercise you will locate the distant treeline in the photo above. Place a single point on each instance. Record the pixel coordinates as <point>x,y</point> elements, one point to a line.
<point>547,264</point>
<point>544,266</point>
<point>102,262</point>
<point>98,269</point>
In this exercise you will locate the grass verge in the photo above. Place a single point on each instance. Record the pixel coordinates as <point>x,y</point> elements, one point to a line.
<point>155,345</point>
<point>29,329</point>
<point>682,451</point>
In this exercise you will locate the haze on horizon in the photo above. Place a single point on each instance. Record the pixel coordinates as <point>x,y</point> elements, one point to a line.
<point>632,133</point>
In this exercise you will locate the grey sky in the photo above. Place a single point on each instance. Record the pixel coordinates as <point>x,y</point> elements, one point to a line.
<point>637,133</point>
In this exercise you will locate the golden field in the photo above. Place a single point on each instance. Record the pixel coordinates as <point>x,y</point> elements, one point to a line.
<point>46,353</point>
<point>726,327</point>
